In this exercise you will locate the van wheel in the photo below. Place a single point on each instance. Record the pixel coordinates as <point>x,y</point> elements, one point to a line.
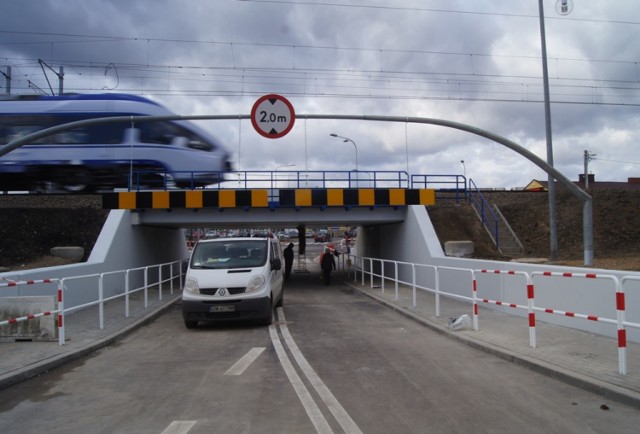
<point>281,301</point>
<point>267,320</point>
<point>190,324</point>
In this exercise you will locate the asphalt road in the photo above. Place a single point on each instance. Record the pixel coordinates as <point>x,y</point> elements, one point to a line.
<point>334,361</point>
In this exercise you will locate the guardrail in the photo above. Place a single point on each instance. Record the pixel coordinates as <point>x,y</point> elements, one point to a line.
<point>283,179</point>
<point>450,186</point>
<point>386,270</point>
<point>482,207</point>
<point>166,274</point>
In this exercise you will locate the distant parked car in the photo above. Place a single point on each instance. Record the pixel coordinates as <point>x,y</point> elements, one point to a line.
<point>322,236</point>
<point>290,233</point>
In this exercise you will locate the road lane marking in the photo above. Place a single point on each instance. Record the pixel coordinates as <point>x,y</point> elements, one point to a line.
<point>245,361</point>
<point>336,409</point>
<point>314,413</point>
<point>179,427</point>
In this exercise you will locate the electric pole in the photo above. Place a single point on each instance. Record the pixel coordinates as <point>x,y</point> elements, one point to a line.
<point>7,76</point>
<point>587,157</point>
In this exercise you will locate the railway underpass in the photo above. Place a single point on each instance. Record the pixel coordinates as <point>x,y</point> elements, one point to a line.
<point>148,227</point>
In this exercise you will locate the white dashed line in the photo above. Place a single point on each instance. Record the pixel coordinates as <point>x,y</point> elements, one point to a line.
<point>239,367</point>
<point>179,427</point>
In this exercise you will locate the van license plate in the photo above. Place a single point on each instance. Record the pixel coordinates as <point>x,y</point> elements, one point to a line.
<point>223,308</point>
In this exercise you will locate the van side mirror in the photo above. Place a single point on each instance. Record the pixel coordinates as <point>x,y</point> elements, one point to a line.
<point>276,264</point>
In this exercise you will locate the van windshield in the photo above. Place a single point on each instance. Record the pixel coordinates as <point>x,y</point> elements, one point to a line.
<point>230,254</point>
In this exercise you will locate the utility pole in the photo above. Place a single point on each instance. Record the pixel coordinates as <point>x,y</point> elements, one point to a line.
<point>7,76</point>
<point>59,74</point>
<point>587,157</point>
<point>553,224</point>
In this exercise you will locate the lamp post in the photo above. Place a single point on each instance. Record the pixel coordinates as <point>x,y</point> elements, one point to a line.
<point>282,165</point>
<point>345,140</point>
<point>464,172</point>
<point>553,227</point>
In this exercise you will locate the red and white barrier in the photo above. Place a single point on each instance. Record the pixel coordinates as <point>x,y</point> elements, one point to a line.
<point>620,310</point>
<point>11,283</point>
<point>530,301</point>
<point>59,310</point>
<point>614,283</point>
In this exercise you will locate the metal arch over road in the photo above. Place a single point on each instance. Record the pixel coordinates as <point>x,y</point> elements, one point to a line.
<point>577,191</point>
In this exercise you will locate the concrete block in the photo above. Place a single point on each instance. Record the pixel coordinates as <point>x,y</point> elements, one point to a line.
<point>73,253</point>
<point>458,249</point>
<point>42,328</point>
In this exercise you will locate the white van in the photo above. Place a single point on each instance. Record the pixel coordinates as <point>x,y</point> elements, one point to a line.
<point>233,279</point>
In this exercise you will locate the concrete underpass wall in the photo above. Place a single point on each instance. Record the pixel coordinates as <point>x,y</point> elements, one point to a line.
<point>120,246</point>
<point>415,241</point>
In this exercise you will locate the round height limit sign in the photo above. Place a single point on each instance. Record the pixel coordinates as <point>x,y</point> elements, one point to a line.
<point>272,116</point>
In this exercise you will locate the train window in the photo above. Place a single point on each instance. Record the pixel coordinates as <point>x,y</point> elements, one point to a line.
<point>197,142</point>
<point>73,137</point>
<point>158,132</point>
<point>15,127</point>
<point>108,134</point>
<point>15,132</point>
<point>165,132</point>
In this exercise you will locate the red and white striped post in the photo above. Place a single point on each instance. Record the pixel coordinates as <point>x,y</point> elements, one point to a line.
<point>475,301</point>
<point>531,312</point>
<point>61,336</point>
<point>622,332</point>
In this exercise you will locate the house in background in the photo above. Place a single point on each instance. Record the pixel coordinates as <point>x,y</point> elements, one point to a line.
<point>631,184</point>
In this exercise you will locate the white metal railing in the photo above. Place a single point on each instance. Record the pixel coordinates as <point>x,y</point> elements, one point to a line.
<point>166,274</point>
<point>387,270</point>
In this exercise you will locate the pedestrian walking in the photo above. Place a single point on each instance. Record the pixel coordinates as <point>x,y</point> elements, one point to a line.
<point>327,264</point>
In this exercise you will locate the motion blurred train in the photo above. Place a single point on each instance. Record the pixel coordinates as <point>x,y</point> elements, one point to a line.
<point>111,155</point>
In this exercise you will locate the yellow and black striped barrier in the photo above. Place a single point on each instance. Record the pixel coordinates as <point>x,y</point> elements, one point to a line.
<point>259,198</point>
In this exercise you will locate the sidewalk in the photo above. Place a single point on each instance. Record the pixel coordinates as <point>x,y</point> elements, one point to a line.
<point>22,360</point>
<point>579,358</point>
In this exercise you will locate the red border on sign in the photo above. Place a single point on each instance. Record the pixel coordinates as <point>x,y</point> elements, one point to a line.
<point>254,122</point>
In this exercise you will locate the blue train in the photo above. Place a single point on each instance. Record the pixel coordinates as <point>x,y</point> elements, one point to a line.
<point>107,155</point>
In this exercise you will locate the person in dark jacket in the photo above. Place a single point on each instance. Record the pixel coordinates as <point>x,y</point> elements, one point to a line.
<point>327,264</point>
<point>288,260</point>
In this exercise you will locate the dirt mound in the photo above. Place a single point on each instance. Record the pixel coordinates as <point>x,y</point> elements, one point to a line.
<point>616,226</point>
<point>30,228</point>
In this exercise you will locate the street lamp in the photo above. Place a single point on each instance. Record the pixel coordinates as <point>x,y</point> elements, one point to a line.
<point>282,165</point>
<point>553,225</point>
<point>345,140</point>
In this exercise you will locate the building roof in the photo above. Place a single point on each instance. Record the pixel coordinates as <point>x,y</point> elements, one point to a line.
<point>631,184</point>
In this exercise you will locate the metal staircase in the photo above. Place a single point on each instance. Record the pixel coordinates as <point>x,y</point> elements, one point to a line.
<point>503,236</point>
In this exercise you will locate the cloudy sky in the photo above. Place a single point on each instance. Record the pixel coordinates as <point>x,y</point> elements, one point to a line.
<point>476,62</point>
